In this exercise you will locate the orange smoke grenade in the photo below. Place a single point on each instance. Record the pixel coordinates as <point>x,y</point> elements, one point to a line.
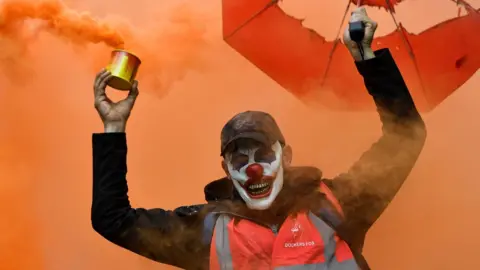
<point>123,66</point>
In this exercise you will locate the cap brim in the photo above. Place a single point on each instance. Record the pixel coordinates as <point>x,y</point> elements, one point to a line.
<point>256,136</point>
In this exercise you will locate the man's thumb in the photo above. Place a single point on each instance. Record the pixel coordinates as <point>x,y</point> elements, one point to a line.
<point>361,10</point>
<point>133,93</point>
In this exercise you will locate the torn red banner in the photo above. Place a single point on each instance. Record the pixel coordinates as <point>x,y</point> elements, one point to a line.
<point>322,72</point>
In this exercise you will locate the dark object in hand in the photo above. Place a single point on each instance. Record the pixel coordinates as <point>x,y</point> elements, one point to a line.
<point>357,31</point>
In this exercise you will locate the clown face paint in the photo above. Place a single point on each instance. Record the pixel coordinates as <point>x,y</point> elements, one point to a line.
<point>257,174</point>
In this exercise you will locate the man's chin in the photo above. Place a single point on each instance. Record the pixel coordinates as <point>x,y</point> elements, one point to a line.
<point>260,204</point>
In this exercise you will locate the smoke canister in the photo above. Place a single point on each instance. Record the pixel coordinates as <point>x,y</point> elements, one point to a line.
<point>123,66</point>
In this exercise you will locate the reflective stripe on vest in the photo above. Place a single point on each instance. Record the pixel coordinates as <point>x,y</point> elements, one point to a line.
<point>226,255</point>
<point>222,258</point>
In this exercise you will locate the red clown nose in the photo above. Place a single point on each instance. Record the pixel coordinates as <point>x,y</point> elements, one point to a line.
<point>254,171</point>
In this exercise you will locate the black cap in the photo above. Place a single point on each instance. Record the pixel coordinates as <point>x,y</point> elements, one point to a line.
<point>255,125</point>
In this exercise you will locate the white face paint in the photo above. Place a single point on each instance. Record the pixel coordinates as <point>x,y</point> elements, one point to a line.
<point>270,170</point>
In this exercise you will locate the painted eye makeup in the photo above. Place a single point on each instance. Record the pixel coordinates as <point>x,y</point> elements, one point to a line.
<point>265,155</point>
<point>238,161</point>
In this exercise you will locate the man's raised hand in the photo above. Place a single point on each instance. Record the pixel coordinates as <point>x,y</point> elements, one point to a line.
<point>365,46</point>
<point>114,115</point>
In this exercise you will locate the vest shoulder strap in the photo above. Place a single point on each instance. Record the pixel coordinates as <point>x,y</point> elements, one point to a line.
<point>330,197</point>
<point>333,215</point>
<point>208,227</point>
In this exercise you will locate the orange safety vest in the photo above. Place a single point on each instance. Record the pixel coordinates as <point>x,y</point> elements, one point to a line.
<point>302,242</point>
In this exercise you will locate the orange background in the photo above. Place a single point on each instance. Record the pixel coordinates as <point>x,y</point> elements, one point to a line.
<point>190,84</point>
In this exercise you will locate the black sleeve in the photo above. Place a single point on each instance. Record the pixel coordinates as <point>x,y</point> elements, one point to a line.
<point>164,236</point>
<point>372,182</point>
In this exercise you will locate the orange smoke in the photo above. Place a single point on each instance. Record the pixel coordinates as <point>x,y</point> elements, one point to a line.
<point>33,35</point>
<point>47,117</point>
<point>57,19</point>
<point>22,22</point>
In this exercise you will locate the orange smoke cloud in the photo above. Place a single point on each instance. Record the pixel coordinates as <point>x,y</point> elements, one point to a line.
<point>22,22</point>
<point>47,117</point>
<point>41,36</point>
<point>57,19</point>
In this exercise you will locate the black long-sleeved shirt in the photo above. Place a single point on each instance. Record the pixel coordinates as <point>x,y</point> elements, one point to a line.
<point>175,237</point>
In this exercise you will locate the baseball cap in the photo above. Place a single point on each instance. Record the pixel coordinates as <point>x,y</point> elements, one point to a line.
<point>255,125</point>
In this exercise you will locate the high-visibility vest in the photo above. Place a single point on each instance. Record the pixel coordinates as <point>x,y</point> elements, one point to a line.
<point>304,241</point>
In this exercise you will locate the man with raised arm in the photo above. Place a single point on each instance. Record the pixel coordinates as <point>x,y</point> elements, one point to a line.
<point>265,213</point>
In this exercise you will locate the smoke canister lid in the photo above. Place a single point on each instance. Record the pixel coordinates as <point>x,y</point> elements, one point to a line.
<point>123,66</point>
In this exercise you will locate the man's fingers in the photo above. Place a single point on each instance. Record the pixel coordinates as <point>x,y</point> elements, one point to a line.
<point>100,95</point>
<point>360,10</point>
<point>359,14</point>
<point>100,74</point>
<point>98,77</point>
<point>104,80</point>
<point>371,24</point>
<point>133,93</point>
<point>358,18</point>
<point>101,84</point>
<point>135,85</point>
